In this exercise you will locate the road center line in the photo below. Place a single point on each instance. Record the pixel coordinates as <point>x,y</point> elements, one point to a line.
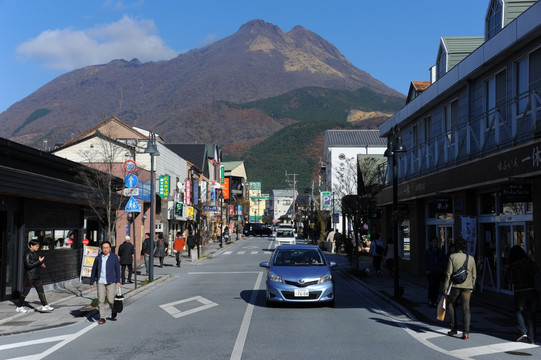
<point>243,331</point>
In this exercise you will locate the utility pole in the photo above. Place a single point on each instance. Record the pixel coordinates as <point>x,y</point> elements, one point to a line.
<point>294,184</point>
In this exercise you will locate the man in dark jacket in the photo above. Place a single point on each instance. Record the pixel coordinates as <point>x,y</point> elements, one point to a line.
<point>106,272</point>
<point>32,279</point>
<point>145,251</point>
<point>125,252</point>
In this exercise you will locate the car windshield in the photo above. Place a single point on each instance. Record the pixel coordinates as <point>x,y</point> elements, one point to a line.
<point>298,257</point>
<point>284,233</point>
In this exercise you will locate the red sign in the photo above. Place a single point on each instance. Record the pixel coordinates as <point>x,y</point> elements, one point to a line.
<point>225,189</point>
<point>130,166</point>
<point>69,242</point>
<point>85,242</point>
<point>231,210</point>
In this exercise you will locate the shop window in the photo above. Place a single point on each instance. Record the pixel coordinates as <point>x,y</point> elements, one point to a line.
<point>54,239</point>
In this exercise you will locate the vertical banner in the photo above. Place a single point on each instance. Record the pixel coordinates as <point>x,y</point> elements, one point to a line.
<point>195,192</point>
<point>222,174</point>
<point>212,196</point>
<point>325,200</point>
<point>469,233</point>
<point>225,190</point>
<point>188,192</point>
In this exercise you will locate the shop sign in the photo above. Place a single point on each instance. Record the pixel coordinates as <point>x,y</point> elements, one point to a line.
<point>515,192</point>
<point>164,186</point>
<point>443,205</point>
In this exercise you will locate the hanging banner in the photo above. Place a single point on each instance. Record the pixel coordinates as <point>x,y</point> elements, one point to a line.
<point>325,200</point>
<point>164,187</point>
<point>187,192</point>
<point>225,189</point>
<point>469,233</point>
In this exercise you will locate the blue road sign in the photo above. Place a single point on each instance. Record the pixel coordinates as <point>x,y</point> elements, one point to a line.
<point>130,180</point>
<point>132,206</point>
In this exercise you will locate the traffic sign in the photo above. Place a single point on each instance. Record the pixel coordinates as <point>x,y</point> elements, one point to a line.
<point>131,191</point>
<point>132,206</point>
<point>130,180</point>
<point>130,166</point>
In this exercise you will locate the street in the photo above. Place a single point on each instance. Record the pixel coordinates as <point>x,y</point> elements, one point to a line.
<point>215,309</point>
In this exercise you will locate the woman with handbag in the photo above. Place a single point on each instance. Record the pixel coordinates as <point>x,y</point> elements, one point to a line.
<point>161,249</point>
<point>463,289</point>
<point>519,271</point>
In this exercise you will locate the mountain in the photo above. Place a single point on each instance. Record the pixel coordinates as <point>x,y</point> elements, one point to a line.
<point>186,99</point>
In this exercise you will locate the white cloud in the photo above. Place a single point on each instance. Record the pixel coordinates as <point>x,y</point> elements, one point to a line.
<point>68,49</point>
<point>210,39</point>
<point>122,5</point>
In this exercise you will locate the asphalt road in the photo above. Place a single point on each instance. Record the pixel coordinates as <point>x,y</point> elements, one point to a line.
<point>216,310</point>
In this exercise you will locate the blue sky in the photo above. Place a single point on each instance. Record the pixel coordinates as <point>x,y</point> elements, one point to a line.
<point>395,41</point>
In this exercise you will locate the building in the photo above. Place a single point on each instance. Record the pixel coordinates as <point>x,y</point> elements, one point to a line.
<point>258,202</point>
<point>280,205</point>
<point>340,151</point>
<point>472,165</point>
<point>44,197</point>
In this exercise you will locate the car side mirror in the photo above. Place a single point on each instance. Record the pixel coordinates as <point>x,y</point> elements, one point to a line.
<point>332,264</point>
<point>264,264</point>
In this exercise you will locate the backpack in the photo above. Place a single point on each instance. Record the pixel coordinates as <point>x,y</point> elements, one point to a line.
<point>459,276</point>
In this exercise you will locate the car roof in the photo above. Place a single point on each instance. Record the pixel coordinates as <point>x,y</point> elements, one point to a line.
<point>297,246</point>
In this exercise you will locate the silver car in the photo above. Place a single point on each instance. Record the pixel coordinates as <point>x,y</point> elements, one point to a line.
<point>284,236</point>
<point>299,274</point>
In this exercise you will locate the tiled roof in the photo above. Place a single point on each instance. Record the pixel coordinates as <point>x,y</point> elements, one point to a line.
<point>353,138</point>
<point>194,153</point>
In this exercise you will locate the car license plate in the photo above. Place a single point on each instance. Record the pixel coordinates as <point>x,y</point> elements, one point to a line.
<point>302,293</point>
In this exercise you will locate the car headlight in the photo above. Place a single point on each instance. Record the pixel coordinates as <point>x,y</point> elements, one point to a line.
<point>325,278</point>
<point>274,277</point>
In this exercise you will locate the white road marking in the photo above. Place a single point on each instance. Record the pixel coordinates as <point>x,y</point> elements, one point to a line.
<point>176,313</point>
<point>243,331</point>
<point>228,252</point>
<point>254,252</point>
<point>241,252</point>
<point>64,340</point>
<point>423,337</point>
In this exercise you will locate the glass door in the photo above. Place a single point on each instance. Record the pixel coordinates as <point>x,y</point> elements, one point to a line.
<point>509,235</point>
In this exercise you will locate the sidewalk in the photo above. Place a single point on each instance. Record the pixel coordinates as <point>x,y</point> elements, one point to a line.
<point>72,304</point>
<point>491,313</point>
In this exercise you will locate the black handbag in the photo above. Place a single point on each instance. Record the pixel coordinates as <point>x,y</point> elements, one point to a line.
<point>459,276</point>
<point>118,304</point>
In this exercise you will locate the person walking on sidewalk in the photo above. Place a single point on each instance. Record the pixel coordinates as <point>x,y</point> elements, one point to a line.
<point>462,290</point>
<point>145,251</point>
<point>433,261</point>
<point>106,272</point>
<point>178,246</point>
<point>519,271</point>
<point>33,263</point>
<point>161,249</point>
<point>125,253</point>
<point>376,250</point>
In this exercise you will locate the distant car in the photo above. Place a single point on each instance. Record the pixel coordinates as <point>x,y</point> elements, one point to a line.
<point>299,274</point>
<point>256,229</point>
<point>284,236</point>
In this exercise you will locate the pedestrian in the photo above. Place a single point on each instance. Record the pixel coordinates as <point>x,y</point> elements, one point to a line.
<point>145,251</point>
<point>33,263</point>
<point>519,271</point>
<point>106,273</point>
<point>191,240</point>
<point>433,260</point>
<point>126,252</point>
<point>462,290</point>
<point>226,234</point>
<point>178,246</point>
<point>161,248</point>
<point>376,250</point>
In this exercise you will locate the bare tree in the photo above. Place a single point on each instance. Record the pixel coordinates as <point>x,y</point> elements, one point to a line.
<point>106,156</point>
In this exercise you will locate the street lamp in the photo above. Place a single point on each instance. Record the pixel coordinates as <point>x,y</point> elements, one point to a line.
<point>152,150</point>
<point>395,146</point>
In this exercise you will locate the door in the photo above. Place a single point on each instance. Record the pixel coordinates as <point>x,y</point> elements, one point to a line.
<point>509,235</point>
